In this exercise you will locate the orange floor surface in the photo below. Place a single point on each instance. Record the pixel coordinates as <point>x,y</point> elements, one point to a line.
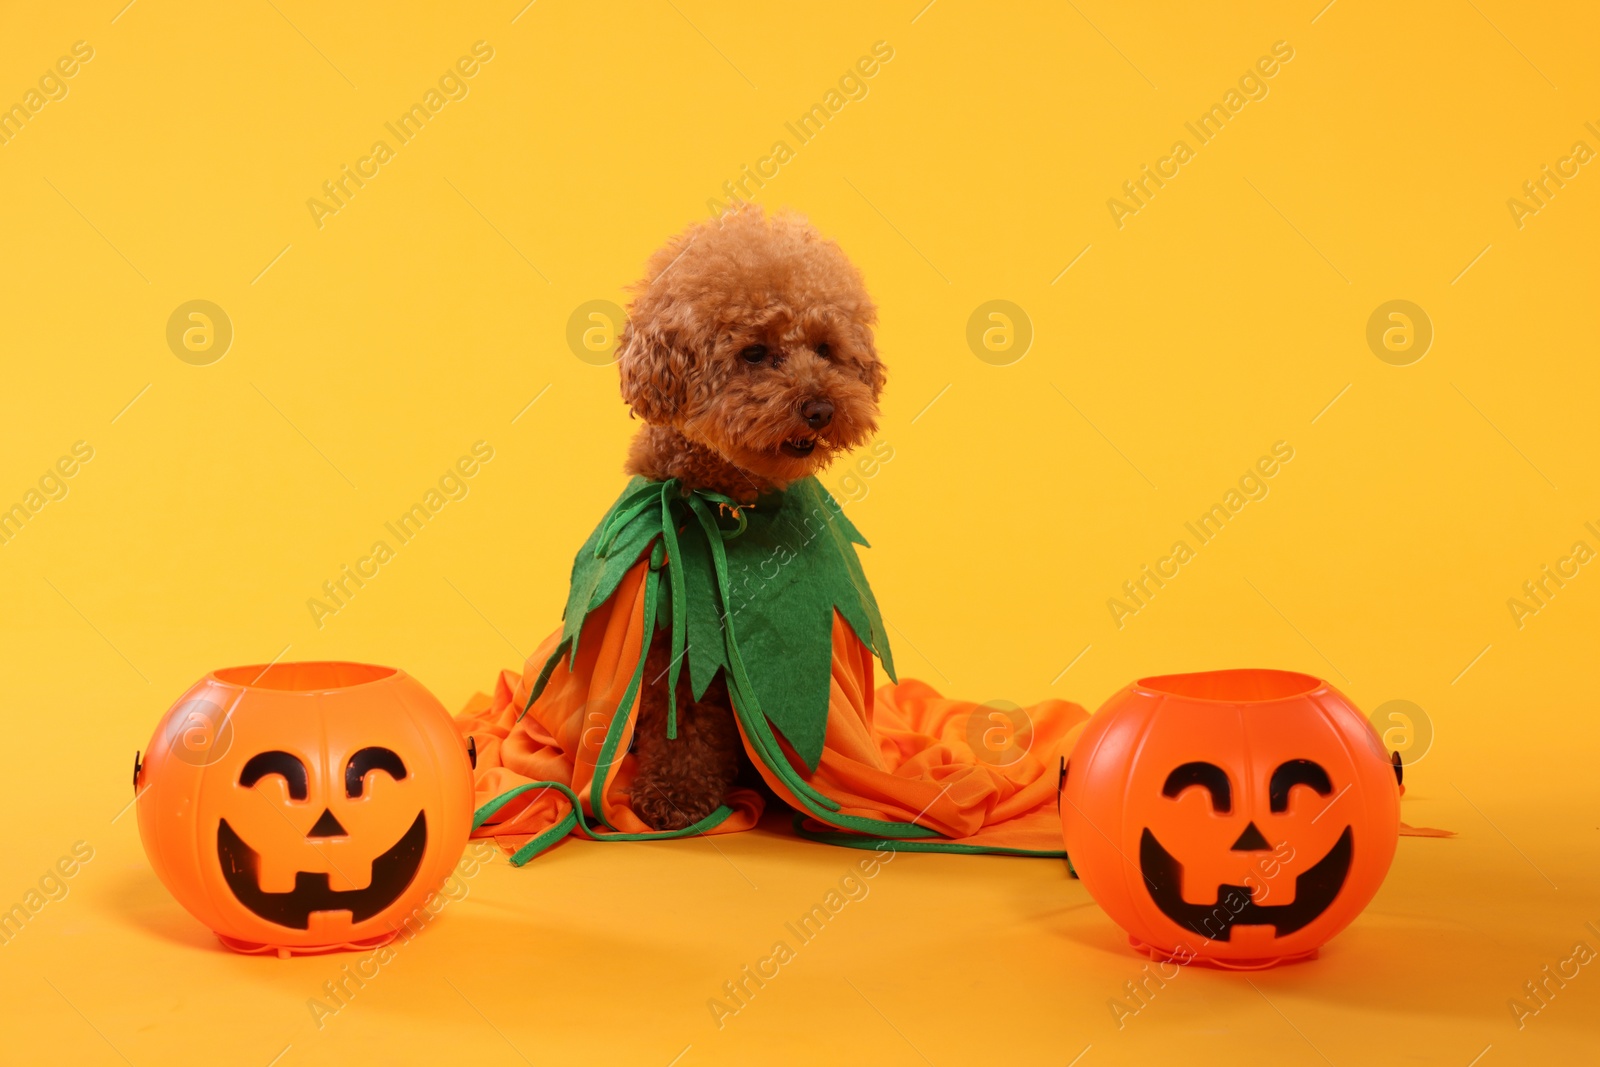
<point>625,953</point>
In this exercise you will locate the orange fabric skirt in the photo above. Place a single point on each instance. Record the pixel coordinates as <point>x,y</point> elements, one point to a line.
<point>899,761</point>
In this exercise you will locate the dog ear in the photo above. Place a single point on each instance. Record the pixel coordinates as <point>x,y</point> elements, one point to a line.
<point>652,374</point>
<point>872,370</point>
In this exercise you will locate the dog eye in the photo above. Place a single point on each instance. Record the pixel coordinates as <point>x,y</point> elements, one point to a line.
<point>823,350</point>
<point>754,353</point>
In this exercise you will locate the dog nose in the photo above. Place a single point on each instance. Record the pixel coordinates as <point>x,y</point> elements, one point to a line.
<point>817,412</point>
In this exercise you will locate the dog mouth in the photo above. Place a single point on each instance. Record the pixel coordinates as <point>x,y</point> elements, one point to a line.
<point>798,447</point>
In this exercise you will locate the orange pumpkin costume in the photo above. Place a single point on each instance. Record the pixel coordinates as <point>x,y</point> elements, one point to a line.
<point>864,764</point>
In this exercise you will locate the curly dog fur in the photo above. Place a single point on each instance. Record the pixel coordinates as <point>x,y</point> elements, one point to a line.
<point>749,356</point>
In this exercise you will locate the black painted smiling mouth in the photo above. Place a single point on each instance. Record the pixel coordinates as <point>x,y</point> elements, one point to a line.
<point>800,447</point>
<point>392,872</point>
<point>1314,891</point>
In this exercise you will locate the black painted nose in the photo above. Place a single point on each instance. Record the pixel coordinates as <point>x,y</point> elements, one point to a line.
<point>328,826</point>
<point>1251,841</point>
<point>817,412</point>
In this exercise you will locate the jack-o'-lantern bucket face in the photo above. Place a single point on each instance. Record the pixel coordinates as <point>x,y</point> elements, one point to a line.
<point>305,806</point>
<point>1242,817</point>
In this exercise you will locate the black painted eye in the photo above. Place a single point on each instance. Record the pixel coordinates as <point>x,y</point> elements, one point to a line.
<point>283,764</point>
<point>371,759</point>
<point>754,353</point>
<point>1295,772</point>
<point>1209,776</point>
<point>823,350</point>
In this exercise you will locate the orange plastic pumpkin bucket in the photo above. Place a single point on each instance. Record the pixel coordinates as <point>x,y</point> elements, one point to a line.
<point>1239,817</point>
<point>304,807</point>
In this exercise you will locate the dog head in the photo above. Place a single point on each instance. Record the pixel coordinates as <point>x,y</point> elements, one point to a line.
<point>752,335</point>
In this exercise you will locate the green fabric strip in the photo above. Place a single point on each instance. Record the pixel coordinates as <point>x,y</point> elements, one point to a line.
<point>544,675</point>
<point>542,842</point>
<point>619,718</point>
<point>868,841</point>
<point>574,820</point>
<point>669,536</point>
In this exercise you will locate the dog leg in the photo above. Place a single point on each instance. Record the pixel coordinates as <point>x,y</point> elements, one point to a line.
<point>682,780</point>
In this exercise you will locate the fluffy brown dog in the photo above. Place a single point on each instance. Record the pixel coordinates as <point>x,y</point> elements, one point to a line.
<point>748,354</point>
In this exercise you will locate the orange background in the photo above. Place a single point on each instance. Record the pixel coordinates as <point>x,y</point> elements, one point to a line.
<point>1230,312</point>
